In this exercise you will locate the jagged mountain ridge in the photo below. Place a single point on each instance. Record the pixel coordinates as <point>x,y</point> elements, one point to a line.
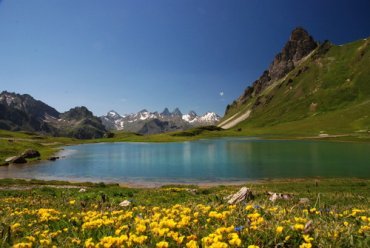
<point>299,45</point>
<point>146,122</point>
<point>308,88</point>
<point>24,113</point>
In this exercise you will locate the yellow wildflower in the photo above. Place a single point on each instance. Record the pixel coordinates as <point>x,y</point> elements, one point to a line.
<point>76,241</point>
<point>140,228</point>
<point>89,243</point>
<point>307,238</point>
<point>279,229</point>
<point>305,245</point>
<point>191,244</point>
<point>248,207</point>
<point>191,237</point>
<point>234,239</point>
<point>31,238</point>
<point>15,226</point>
<point>364,229</point>
<point>45,242</point>
<point>298,227</point>
<point>162,244</point>
<point>23,245</point>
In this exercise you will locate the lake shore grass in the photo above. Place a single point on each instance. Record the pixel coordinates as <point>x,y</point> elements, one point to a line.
<point>36,213</point>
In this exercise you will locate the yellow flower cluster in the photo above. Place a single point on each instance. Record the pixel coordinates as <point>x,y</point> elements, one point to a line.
<point>190,225</point>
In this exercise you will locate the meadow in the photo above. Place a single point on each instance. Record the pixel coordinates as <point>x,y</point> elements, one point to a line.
<point>333,213</point>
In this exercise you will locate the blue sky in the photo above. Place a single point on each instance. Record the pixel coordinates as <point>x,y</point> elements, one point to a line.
<point>130,55</point>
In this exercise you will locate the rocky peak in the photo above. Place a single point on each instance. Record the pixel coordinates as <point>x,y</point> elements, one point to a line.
<point>143,111</point>
<point>299,45</point>
<point>192,114</point>
<point>176,112</point>
<point>166,112</point>
<point>113,115</point>
<point>77,113</point>
<point>26,103</point>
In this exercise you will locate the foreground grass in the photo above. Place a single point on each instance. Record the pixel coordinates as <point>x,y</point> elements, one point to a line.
<point>46,214</point>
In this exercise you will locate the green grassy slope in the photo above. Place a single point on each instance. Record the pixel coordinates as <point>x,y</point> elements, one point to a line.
<point>14,143</point>
<point>329,92</point>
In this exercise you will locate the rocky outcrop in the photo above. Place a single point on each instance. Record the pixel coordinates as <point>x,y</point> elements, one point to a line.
<point>23,112</point>
<point>80,123</point>
<point>299,45</point>
<point>156,126</point>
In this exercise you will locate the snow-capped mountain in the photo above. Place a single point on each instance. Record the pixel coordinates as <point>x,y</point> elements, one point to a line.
<point>171,121</point>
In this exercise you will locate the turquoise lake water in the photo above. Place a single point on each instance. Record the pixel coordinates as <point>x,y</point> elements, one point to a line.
<point>219,160</point>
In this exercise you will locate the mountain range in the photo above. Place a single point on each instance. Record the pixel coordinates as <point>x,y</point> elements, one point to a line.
<point>145,122</point>
<point>309,88</point>
<point>24,113</point>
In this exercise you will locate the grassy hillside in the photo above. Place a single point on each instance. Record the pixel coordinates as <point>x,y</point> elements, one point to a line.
<point>329,92</point>
<point>14,143</point>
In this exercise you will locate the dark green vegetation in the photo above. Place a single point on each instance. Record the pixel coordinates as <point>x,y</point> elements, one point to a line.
<point>34,213</point>
<point>328,92</point>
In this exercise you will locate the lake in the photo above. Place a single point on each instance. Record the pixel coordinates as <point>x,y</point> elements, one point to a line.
<point>203,161</point>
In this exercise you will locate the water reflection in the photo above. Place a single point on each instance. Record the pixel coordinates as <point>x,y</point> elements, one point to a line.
<point>222,159</point>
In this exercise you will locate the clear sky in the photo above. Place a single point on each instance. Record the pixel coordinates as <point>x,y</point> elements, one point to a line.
<point>128,55</point>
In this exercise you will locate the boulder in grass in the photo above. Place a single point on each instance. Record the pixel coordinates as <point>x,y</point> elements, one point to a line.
<point>243,194</point>
<point>16,160</point>
<point>304,201</point>
<point>30,153</point>
<point>274,196</point>
<point>125,203</point>
<point>53,158</point>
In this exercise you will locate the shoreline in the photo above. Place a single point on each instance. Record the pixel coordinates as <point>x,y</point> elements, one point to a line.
<point>58,145</point>
<point>156,185</point>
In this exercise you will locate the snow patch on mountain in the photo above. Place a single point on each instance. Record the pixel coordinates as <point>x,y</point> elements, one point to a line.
<point>133,122</point>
